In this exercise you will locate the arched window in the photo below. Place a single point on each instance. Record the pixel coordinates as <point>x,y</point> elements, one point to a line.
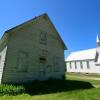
<point>43,37</point>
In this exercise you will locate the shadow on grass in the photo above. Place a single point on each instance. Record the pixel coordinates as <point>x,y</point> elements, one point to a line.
<point>44,87</point>
<point>53,86</point>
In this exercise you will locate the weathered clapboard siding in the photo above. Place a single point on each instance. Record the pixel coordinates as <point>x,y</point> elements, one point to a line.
<point>27,39</point>
<point>2,61</point>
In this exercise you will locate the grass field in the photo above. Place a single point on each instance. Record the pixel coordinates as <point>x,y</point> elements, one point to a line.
<point>73,88</point>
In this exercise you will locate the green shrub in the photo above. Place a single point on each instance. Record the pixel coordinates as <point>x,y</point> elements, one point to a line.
<point>11,90</point>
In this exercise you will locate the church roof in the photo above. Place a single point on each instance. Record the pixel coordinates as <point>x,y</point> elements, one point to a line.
<point>82,55</point>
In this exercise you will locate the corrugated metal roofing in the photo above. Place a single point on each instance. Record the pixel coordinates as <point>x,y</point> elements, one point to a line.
<point>82,55</point>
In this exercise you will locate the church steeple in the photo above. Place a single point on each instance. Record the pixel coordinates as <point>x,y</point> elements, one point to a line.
<point>98,41</point>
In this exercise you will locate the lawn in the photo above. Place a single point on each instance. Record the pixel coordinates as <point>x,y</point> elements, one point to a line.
<point>73,88</point>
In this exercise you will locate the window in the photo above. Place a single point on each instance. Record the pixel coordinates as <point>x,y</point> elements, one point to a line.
<point>42,70</point>
<point>42,60</point>
<point>0,58</point>
<point>43,52</point>
<point>56,64</point>
<point>70,65</point>
<point>98,44</point>
<point>49,68</point>
<point>75,65</point>
<point>43,38</point>
<point>81,65</point>
<point>22,61</point>
<point>88,66</point>
<point>96,57</point>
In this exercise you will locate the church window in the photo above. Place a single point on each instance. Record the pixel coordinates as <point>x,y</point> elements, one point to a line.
<point>70,65</point>
<point>96,57</point>
<point>81,65</point>
<point>75,65</point>
<point>88,66</point>
<point>98,44</point>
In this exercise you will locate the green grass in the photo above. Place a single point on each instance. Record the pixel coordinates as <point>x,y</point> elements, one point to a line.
<point>73,88</point>
<point>85,75</point>
<point>82,77</point>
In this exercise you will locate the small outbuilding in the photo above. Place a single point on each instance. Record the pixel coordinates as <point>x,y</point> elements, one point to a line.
<point>31,51</point>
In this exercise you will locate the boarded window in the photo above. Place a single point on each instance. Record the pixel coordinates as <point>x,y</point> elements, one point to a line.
<point>42,60</point>
<point>43,38</point>
<point>56,64</point>
<point>22,64</point>
<point>42,67</point>
<point>43,52</point>
<point>49,68</point>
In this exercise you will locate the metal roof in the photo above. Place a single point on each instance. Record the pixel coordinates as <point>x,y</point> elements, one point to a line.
<point>82,55</point>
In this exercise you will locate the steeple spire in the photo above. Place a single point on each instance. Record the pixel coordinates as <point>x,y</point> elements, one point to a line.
<point>98,40</point>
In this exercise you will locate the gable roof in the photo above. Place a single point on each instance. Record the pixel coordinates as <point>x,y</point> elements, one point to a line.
<point>36,19</point>
<point>82,55</point>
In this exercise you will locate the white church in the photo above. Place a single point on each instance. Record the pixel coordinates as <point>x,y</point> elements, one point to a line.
<point>85,61</point>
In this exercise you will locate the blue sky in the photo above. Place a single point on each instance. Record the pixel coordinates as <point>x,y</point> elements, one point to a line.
<point>77,21</point>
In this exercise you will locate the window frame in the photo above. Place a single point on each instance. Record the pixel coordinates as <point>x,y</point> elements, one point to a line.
<point>81,64</point>
<point>43,37</point>
<point>75,65</point>
<point>88,65</point>
<point>19,58</point>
